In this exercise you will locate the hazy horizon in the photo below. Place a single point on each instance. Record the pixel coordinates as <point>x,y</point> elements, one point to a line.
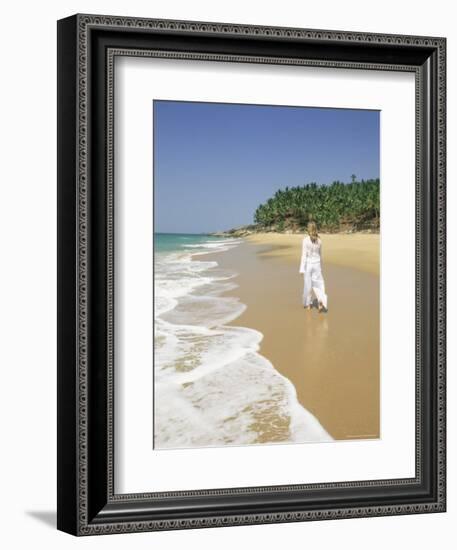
<point>214,163</point>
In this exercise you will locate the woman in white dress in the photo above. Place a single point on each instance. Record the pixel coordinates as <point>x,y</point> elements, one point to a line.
<point>310,266</point>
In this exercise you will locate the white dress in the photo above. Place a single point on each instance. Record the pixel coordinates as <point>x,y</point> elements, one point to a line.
<point>310,266</point>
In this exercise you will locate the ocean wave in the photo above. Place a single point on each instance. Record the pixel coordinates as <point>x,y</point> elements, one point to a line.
<point>211,386</point>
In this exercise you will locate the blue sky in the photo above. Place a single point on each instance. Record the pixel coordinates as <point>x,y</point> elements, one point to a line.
<point>214,163</point>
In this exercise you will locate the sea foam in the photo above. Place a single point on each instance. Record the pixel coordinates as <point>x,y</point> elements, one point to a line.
<point>211,386</point>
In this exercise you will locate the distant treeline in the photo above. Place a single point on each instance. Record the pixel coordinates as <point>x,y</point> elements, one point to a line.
<point>340,206</point>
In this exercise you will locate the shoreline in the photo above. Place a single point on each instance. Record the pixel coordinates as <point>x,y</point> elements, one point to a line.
<point>331,359</point>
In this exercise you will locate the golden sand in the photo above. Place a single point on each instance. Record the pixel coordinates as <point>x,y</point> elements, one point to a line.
<point>331,358</point>
<point>355,250</point>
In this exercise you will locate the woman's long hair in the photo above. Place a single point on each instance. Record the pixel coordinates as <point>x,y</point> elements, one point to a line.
<point>312,232</point>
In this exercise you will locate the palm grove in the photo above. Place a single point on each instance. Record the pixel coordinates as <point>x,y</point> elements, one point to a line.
<point>340,206</point>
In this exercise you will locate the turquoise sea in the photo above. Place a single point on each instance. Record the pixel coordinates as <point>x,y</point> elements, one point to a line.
<point>174,242</point>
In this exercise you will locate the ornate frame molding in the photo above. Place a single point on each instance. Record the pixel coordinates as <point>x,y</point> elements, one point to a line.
<point>78,516</point>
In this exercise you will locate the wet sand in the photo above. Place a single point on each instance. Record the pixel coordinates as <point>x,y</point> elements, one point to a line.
<point>331,358</point>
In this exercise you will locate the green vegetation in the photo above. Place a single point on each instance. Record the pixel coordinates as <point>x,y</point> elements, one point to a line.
<point>340,206</point>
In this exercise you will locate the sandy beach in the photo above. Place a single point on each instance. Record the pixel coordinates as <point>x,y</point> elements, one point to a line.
<point>331,358</point>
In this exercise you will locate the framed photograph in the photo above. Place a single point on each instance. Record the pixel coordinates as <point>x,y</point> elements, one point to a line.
<point>251,274</point>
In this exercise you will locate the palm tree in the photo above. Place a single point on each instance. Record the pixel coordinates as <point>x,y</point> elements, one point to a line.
<point>355,204</point>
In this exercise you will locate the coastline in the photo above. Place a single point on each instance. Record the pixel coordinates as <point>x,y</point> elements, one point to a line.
<point>211,386</point>
<point>332,359</point>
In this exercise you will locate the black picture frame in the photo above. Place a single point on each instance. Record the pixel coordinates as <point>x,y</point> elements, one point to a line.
<point>87,45</point>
